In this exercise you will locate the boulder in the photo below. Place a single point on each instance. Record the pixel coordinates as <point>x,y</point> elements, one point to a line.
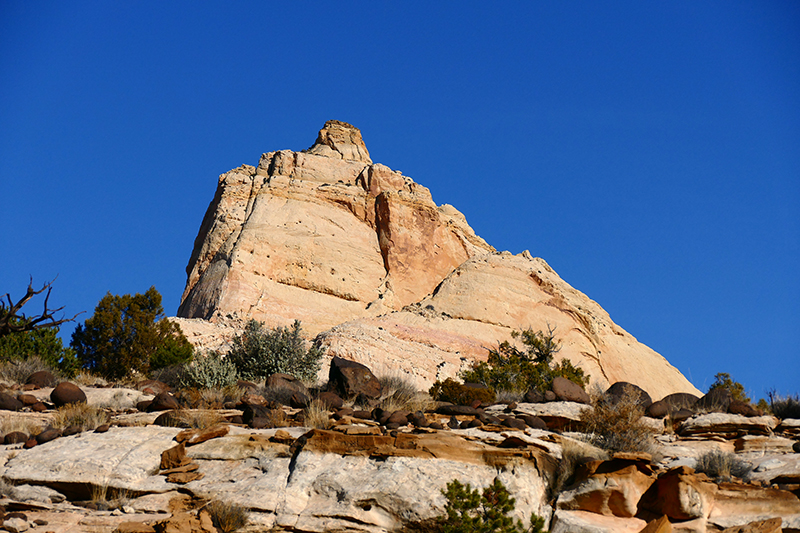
<point>716,400</point>
<point>163,401</point>
<point>738,407</point>
<point>66,393</point>
<point>42,379</point>
<point>47,435</point>
<point>680,494</point>
<point>616,391</point>
<point>658,409</point>
<point>9,403</point>
<point>568,391</point>
<point>659,525</point>
<point>28,399</point>
<point>533,396</point>
<point>680,400</point>
<point>351,379</point>
<point>15,437</point>
<point>331,400</point>
<point>285,381</point>
<point>772,525</point>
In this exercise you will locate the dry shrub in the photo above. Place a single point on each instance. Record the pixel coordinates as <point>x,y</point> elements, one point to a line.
<point>84,378</point>
<point>17,423</point>
<point>227,516</point>
<point>400,393</point>
<point>784,407</point>
<point>573,454</point>
<point>211,398</point>
<point>7,489</point>
<point>281,395</point>
<point>87,417</point>
<point>199,418</point>
<point>316,415</point>
<point>722,466</point>
<point>19,370</point>
<point>617,426</point>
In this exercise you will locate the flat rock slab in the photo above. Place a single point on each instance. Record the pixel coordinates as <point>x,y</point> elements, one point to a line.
<point>115,398</point>
<point>728,425</point>
<point>586,522</point>
<point>124,458</point>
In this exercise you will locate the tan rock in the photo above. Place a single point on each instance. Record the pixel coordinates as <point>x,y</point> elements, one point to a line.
<point>342,140</point>
<point>174,457</point>
<point>772,525</point>
<point>680,494</point>
<point>585,522</point>
<point>659,525</point>
<point>727,425</point>
<point>613,489</point>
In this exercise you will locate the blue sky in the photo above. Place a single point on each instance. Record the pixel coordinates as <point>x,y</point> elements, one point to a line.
<point>649,151</point>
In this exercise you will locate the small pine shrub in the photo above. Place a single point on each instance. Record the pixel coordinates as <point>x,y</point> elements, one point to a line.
<point>723,380</point>
<point>510,369</point>
<point>722,466</point>
<point>784,407</point>
<point>617,426</point>
<point>470,511</point>
<point>457,393</point>
<point>209,371</point>
<point>227,516</point>
<point>258,353</point>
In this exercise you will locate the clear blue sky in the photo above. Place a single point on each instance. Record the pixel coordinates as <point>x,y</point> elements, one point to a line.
<point>649,151</point>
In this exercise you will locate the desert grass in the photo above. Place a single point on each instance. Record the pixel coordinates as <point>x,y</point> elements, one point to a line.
<point>211,398</point>
<point>573,454</point>
<point>17,423</point>
<point>618,426</point>
<point>316,415</point>
<point>7,489</point>
<point>508,396</point>
<point>87,417</point>
<point>784,407</point>
<point>400,393</point>
<point>723,466</point>
<point>198,418</point>
<point>227,516</point>
<point>18,370</point>
<point>84,378</point>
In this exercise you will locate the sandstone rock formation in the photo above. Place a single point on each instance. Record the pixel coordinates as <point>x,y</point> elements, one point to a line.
<point>362,255</point>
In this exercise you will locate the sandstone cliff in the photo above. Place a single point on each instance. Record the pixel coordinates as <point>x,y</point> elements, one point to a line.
<point>363,256</point>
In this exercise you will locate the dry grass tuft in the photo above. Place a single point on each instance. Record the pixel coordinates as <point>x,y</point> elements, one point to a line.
<point>618,427</point>
<point>227,516</point>
<point>211,398</point>
<point>573,454</point>
<point>400,393</point>
<point>722,466</point>
<point>23,425</point>
<point>18,370</point>
<point>316,415</point>
<point>199,418</point>
<point>87,379</point>
<point>86,416</point>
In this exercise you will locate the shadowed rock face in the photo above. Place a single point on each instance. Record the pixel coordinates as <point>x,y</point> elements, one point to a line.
<point>362,255</point>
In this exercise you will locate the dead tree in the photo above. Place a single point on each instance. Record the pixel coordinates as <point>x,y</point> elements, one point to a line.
<point>12,321</point>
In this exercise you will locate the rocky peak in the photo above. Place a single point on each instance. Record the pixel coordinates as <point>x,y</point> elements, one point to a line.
<point>340,140</point>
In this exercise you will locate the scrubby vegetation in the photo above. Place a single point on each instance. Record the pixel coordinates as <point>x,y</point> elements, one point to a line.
<point>400,393</point>
<point>227,516</point>
<point>209,371</point>
<point>258,353</point>
<point>18,370</point>
<point>784,406</point>
<point>127,334</point>
<point>510,369</point>
<point>84,416</point>
<point>452,391</point>
<point>470,511</point>
<point>722,466</point>
<point>617,425</point>
<point>723,380</point>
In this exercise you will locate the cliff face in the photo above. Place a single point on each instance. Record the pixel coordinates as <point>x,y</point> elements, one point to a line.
<point>363,256</point>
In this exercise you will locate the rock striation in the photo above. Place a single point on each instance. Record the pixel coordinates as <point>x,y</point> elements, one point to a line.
<point>364,258</point>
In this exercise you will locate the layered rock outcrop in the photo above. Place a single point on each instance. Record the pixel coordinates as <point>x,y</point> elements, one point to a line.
<point>361,255</point>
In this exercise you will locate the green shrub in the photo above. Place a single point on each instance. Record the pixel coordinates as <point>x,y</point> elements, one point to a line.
<point>209,371</point>
<point>258,353</point>
<point>452,391</point>
<point>469,511</point>
<point>617,426</point>
<point>510,369</point>
<point>722,466</point>
<point>43,344</point>
<point>723,380</point>
<point>129,333</point>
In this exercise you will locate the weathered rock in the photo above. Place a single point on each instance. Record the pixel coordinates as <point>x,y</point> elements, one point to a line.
<point>616,391</point>
<point>285,381</point>
<point>772,525</point>
<point>680,400</point>
<point>716,400</point>
<point>533,396</point>
<point>556,415</point>
<point>659,525</point>
<point>658,409</point>
<point>155,386</point>
<point>458,410</point>
<point>565,521</point>
<point>567,391</point>
<point>66,393</point>
<point>680,494</point>
<point>15,437</point>
<point>47,435</point>
<point>738,407</point>
<point>743,503</point>
<point>196,436</point>
<point>728,425</point>
<point>9,403</point>
<point>337,242</point>
<point>15,525</point>
<point>163,401</point>
<point>351,379</point>
<point>796,447</point>
<point>134,527</point>
<point>611,488</point>
<point>174,457</point>
<point>331,400</point>
<point>42,379</point>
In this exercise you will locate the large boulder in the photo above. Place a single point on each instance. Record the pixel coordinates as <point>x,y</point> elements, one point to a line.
<point>351,379</point>
<point>42,379</point>
<point>616,391</point>
<point>163,401</point>
<point>716,400</point>
<point>9,403</point>
<point>66,393</point>
<point>568,391</point>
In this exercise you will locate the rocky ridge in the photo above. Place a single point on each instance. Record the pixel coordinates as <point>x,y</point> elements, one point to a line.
<point>364,258</point>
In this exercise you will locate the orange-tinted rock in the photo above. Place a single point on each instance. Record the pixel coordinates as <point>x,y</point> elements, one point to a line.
<point>680,494</point>
<point>772,525</point>
<point>174,457</point>
<point>659,525</point>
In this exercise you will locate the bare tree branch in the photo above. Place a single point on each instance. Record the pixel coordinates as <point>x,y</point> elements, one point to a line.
<point>12,321</point>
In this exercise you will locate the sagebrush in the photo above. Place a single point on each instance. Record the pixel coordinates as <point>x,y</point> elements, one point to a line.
<point>209,371</point>
<point>617,425</point>
<point>259,352</point>
<point>722,466</point>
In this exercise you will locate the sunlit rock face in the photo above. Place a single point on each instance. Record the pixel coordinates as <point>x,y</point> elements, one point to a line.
<point>362,255</point>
